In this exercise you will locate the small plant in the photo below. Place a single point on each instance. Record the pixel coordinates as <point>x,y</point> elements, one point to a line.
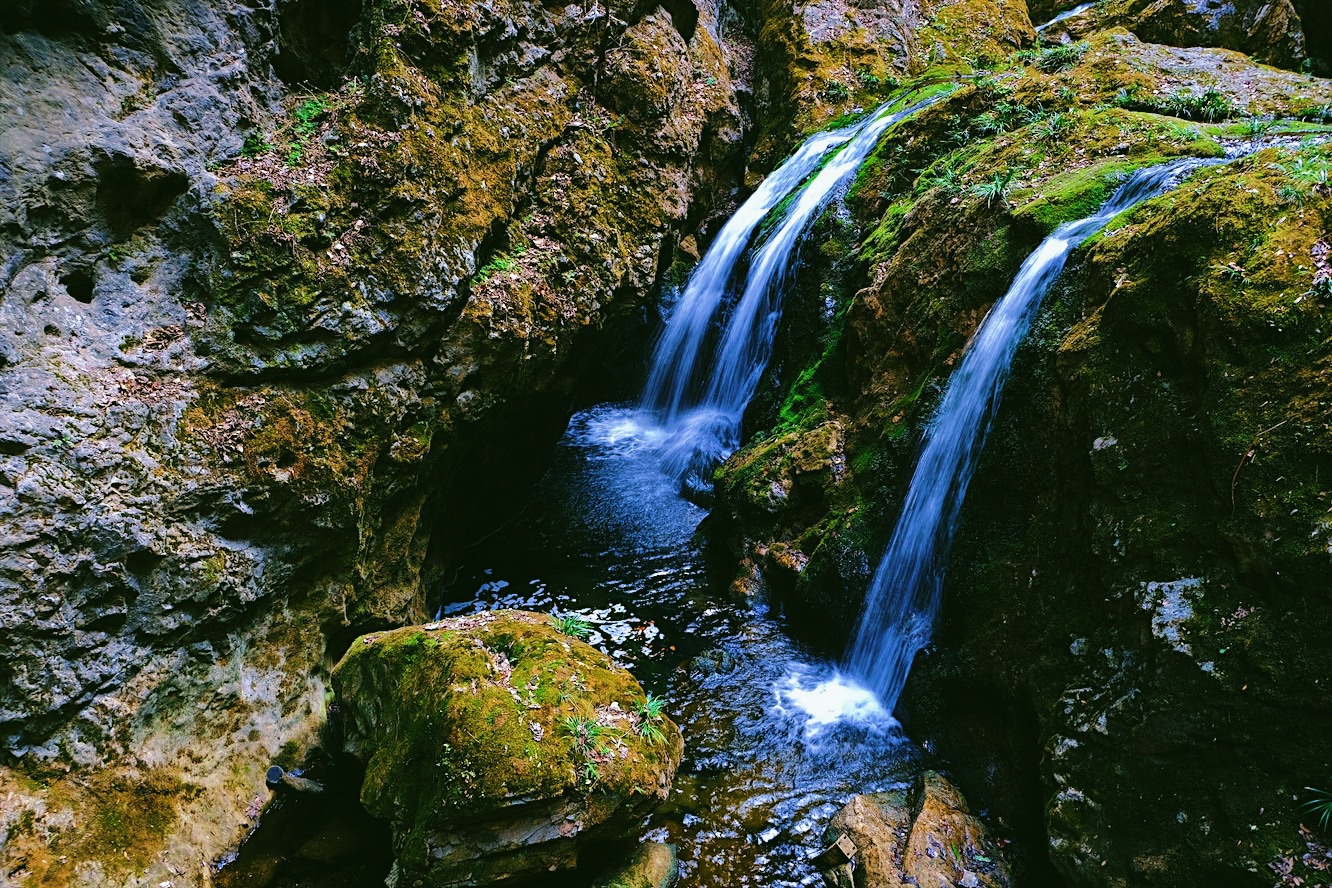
<point>1315,113</point>
<point>650,713</point>
<point>652,708</point>
<point>586,731</point>
<point>1054,59</point>
<point>1052,127</point>
<point>591,773</point>
<point>1183,133</point>
<point>1320,806</point>
<point>309,113</point>
<point>995,188</point>
<point>836,91</point>
<point>1257,126</point>
<point>254,145</point>
<point>572,625</point>
<point>1231,272</point>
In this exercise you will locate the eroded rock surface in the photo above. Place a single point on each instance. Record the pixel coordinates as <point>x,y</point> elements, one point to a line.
<point>1128,614</point>
<point>279,284</point>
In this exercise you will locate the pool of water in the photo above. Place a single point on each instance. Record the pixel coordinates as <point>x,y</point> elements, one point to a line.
<point>775,740</point>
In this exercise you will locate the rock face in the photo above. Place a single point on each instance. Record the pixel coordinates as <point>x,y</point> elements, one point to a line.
<point>652,865</point>
<point>1277,32</point>
<point>925,836</point>
<point>1124,668</point>
<point>494,744</point>
<point>278,283</point>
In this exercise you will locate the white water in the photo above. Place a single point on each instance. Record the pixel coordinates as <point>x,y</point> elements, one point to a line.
<point>1063,16</point>
<point>680,355</point>
<point>904,595</point>
<point>703,411</point>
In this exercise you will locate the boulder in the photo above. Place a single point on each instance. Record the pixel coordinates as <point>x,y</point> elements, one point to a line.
<point>652,865</point>
<point>494,744</point>
<point>922,836</point>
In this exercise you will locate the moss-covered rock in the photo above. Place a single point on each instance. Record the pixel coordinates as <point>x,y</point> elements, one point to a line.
<point>1148,509</point>
<point>493,743</point>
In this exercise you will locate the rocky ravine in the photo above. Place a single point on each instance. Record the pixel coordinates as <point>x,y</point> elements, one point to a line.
<point>285,288</point>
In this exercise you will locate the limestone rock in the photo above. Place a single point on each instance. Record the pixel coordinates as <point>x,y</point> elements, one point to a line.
<point>493,744</point>
<point>925,836</point>
<point>278,282</point>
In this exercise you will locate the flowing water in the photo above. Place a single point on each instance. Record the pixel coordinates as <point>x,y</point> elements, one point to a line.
<point>1064,16</point>
<point>906,590</point>
<point>773,745</point>
<point>702,408</point>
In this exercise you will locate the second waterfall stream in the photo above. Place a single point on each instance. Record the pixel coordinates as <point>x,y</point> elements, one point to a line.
<point>907,588</point>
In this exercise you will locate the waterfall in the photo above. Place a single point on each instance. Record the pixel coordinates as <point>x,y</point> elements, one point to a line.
<point>703,410</point>
<point>904,595</point>
<point>1064,16</point>
<point>679,354</point>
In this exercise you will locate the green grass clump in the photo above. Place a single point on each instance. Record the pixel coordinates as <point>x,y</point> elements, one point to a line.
<point>1053,59</point>
<point>572,625</point>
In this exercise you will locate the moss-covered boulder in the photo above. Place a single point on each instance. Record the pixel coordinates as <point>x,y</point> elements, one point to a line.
<point>493,743</point>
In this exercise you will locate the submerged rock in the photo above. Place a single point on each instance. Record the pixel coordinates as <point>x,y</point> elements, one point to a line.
<point>652,865</point>
<point>922,836</point>
<point>494,744</point>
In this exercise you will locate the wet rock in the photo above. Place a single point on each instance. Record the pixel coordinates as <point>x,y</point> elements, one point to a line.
<point>495,745</point>
<point>652,865</point>
<point>711,662</point>
<point>922,836</point>
<point>1270,30</point>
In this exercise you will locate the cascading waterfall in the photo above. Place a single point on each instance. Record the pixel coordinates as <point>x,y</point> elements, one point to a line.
<point>677,358</point>
<point>905,593</point>
<point>1064,16</point>
<point>703,412</point>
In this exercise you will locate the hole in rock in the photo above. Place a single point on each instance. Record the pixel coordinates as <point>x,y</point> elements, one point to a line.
<point>130,197</point>
<point>313,40</point>
<point>79,284</point>
<point>684,15</point>
<point>142,561</point>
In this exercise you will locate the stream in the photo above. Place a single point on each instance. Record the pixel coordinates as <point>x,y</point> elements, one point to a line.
<point>768,760</point>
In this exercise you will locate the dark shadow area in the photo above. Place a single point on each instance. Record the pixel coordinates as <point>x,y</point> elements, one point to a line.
<point>324,839</point>
<point>313,38</point>
<point>79,284</point>
<point>130,197</point>
<point>1316,16</point>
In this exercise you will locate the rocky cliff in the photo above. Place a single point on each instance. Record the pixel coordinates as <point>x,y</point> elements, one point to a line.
<point>294,291</point>
<point>291,293</point>
<point>1127,665</point>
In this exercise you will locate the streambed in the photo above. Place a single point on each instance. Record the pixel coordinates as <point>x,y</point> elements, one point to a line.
<point>774,744</point>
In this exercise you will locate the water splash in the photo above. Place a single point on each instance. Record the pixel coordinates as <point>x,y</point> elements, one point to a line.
<point>703,410</point>
<point>904,594</point>
<point>825,699</point>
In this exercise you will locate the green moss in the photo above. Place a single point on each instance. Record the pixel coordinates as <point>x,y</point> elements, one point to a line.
<point>458,718</point>
<point>122,821</point>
